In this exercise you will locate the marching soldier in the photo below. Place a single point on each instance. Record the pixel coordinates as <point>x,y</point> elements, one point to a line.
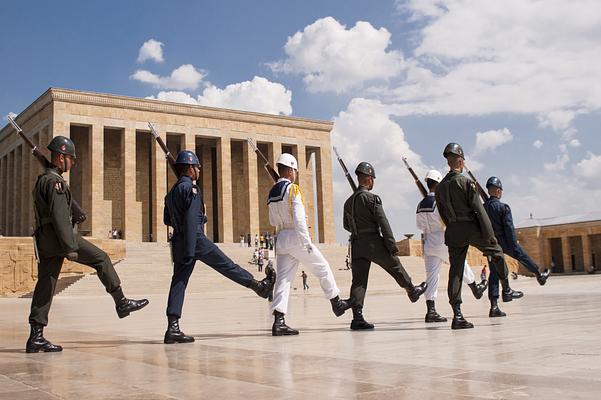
<point>467,224</point>
<point>502,224</point>
<point>287,215</point>
<point>371,241</point>
<point>184,213</point>
<point>55,240</point>
<point>435,252</point>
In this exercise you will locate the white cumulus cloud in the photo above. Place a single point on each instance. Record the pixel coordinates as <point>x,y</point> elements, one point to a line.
<point>151,50</point>
<point>490,140</point>
<point>257,95</point>
<point>538,144</point>
<point>182,78</point>
<point>331,57</point>
<point>589,170</point>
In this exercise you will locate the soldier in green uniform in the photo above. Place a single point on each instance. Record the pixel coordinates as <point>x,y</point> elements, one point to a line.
<point>371,241</point>
<point>56,240</point>
<point>467,224</point>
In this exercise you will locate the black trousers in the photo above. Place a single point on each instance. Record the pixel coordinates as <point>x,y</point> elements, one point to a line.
<point>215,259</point>
<point>368,249</point>
<point>458,237</point>
<point>50,267</point>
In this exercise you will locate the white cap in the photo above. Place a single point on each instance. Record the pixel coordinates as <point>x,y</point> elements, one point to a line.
<point>288,160</point>
<point>434,175</point>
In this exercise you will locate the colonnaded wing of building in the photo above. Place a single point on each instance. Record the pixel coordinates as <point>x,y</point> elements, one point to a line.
<point>121,176</point>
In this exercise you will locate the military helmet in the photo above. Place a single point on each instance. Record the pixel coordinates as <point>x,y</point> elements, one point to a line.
<point>187,157</point>
<point>62,145</point>
<point>434,175</point>
<point>288,160</point>
<point>453,148</point>
<point>494,181</point>
<point>365,168</point>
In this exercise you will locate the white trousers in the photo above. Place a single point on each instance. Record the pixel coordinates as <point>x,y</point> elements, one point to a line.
<point>287,266</point>
<point>433,264</point>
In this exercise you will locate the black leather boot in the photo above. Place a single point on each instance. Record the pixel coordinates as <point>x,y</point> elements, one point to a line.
<point>37,342</point>
<point>173,334</point>
<point>416,291</point>
<point>478,289</point>
<point>495,311</point>
<point>279,327</point>
<point>264,288</point>
<point>542,277</point>
<point>339,306</point>
<point>358,322</point>
<point>125,306</point>
<point>508,293</point>
<point>458,321</point>
<point>432,315</point>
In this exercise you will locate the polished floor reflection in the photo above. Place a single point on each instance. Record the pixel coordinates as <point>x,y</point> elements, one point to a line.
<point>549,347</point>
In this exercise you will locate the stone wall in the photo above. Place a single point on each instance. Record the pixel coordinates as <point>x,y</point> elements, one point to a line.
<point>18,269</point>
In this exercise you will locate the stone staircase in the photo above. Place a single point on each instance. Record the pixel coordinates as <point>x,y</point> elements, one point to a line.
<point>147,270</point>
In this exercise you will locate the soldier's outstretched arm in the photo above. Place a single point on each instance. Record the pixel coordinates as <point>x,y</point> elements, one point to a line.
<point>184,195</point>
<point>298,214</point>
<point>508,228</point>
<point>478,208</point>
<point>60,213</point>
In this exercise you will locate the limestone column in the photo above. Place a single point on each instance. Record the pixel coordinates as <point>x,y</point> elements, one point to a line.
<point>586,251</point>
<point>159,190</point>
<point>3,192</point>
<point>101,215</point>
<point>224,187</point>
<point>251,186</point>
<point>132,209</point>
<point>207,187</point>
<point>11,194</point>
<point>17,209</point>
<point>565,249</point>
<point>274,154</point>
<point>26,204</point>
<point>325,195</point>
<point>305,181</point>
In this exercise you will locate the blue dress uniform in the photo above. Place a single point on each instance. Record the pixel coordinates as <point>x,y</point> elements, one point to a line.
<point>184,212</point>
<point>502,223</point>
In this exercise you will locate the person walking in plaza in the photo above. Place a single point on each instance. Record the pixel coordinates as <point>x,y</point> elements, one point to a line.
<point>305,285</point>
<point>502,224</point>
<point>248,242</point>
<point>372,241</point>
<point>467,224</point>
<point>435,251</point>
<point>256,241</point>
<point>184,213</point>
<point>260,260</point>
<point>241,240</point>
<point>294,246</point>
<point>55,240</point>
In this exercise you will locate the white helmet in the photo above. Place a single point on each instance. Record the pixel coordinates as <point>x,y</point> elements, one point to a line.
<point>288,160</point>
<point>434,175</point>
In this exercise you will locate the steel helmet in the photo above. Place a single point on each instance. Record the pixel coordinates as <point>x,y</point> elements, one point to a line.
<point>62,145</point>
<point>365,168</point>
<point>434,175</point>
<point>494,181</point>
<point>187,157</point>
<point>288,160</point>
<point>453,148</point>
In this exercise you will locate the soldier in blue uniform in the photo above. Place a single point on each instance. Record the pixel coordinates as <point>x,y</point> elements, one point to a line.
<point>185,213</point>
<point>502,224</point>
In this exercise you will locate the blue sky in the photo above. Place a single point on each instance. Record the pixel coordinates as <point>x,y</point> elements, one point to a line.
<point>515,82</point>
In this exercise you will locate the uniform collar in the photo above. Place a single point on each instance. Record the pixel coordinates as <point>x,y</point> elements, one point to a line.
<point>185,178</point>
<point>431,194</point>
<point>361,187</point>
<point>284,180</point>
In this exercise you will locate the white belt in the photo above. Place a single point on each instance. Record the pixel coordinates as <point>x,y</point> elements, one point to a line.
<point>284,227</point>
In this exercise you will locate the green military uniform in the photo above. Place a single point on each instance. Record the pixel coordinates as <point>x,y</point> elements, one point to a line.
<point>55,238</point>
<point>467,224</point>
<point>372,241</point>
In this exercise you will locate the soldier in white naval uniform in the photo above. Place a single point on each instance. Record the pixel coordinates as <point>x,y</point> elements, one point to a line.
<point>294,246</point>
<point>435,251</point>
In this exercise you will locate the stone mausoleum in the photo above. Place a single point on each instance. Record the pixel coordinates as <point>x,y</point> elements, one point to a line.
<point>121,176</point>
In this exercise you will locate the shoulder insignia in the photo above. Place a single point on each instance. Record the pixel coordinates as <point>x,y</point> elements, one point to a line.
<point>59,187</point>
<point>377,199</point>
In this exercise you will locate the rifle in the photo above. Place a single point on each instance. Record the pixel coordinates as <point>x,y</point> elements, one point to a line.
<point>419,183</point>
<point>168,155</point>
<point>274,175</point>
<point>78,215</point>
<point>483,194</point>
<point>349,178</point>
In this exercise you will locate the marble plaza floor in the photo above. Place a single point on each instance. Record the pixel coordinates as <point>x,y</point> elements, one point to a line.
<point>549,347</point>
